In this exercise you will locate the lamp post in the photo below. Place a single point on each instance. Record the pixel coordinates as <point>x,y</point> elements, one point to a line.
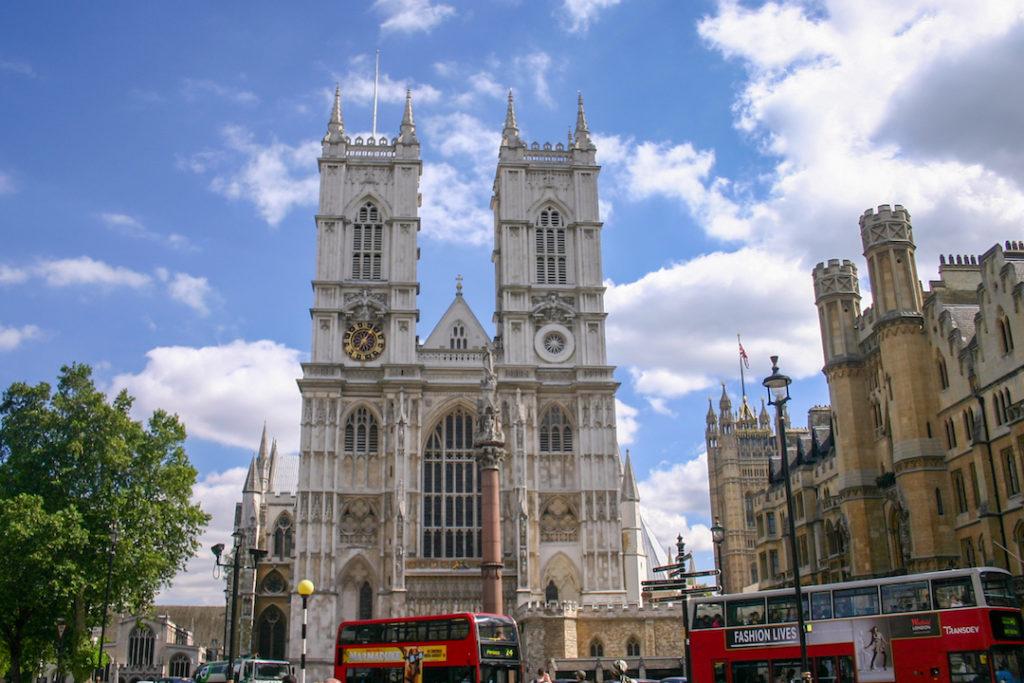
<point>236,565</point>
<point>717,536</point>
<point>61,627</point>
<point>106,599</point>
<point>777,385</point>
<point>305,590</point>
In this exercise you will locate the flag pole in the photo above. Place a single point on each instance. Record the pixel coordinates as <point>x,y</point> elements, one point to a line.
<point>376,80</point>
<point>743,383</point>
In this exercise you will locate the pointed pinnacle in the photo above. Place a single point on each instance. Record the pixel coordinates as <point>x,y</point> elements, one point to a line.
<point>336,124</point>
<point>510,113</point>
<point>407,115</point>
<point>581,118</point>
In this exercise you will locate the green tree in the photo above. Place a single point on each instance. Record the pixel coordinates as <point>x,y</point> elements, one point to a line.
<point>74,453</point>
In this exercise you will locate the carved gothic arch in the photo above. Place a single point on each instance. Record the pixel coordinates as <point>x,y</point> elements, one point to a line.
<point>351,210</point>
<point>357,572</point>
<point>562,571</point>
<point>356,405</point>
<point>559,520</point>
<point>440,412</point>
<point>548,198</point>
<point>563,405</point>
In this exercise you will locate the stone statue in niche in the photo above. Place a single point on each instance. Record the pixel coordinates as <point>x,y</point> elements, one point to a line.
<point>488,407</point>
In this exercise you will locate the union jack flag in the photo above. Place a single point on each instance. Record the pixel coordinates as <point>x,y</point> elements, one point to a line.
<point>744,357</point>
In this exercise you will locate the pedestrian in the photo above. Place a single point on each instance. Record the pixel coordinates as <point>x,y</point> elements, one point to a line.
<point>580,676</point>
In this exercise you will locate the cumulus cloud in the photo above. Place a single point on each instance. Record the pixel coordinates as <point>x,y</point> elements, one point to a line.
<point>85,270</point>
<point>195,292</point>
<point>13,337</point>
<point>626,423</point>
<point>410,16</point>
<point>357,86</point>
<point>275,177</point>
<point>675,328</point>
<point>533,68</point>
<point>11,275</point>
<point>222,393</point>
<point>216,493</point>
<point>195,88</point>
<point>670,495</point>
<point>579,14</point>
<point>129,226</point>
<point>18,68</point>
<point>452,208</point>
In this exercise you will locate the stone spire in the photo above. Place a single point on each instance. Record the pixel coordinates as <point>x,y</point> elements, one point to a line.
<point>510,134</point>
<point>262,453</point>
<point>250,478</point>
<point>763,420</point>
<point>407,132</point>
<point>272,466</point>
<point>629,489</point>
<point>725,405</point>
<point>336,125</point>
<point>711,418</point>
<point>582,131</point>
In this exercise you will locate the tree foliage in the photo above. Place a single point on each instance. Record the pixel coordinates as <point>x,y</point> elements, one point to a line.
<point>73,468</point>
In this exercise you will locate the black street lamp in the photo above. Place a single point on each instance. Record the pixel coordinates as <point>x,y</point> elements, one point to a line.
<point>717,536</point>
<point>106,600</point>
<point>236,565</point>
<point>777,385</point>
<point>61,627</point>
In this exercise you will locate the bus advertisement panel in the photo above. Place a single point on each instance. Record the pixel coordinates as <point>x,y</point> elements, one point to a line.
<point>957,626</point>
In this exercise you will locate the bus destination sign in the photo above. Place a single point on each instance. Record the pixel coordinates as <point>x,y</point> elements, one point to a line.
<point>761,635</point>
<point>499,652</point>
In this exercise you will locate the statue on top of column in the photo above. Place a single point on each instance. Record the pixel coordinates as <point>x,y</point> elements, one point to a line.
<point>488,407</point>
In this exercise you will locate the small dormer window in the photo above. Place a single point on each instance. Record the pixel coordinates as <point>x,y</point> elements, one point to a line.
<point>458,340</point>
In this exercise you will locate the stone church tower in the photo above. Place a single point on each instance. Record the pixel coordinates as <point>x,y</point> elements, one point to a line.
<point>387,500</point>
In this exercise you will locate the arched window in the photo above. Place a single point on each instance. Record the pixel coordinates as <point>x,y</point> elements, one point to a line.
<point>367,243</point>
<point>271,631</point>
<point>943,373</point>
<point>748,509</point>
<point>1005,334</point>
<point>180,666</point>
<point>596,648</point>
<point>555,432</point>
<point>967,549</point>
<point>361,433</point>
<point>551,592</point>
<point>365,601</point>
<point>140,646</point>
<point>458,339</point>
<point>939,508</point>
<point>451,490</point>
<point>632,647</point>
<point>284,536</point>
<point>273,583</point>
<point>550,245</point>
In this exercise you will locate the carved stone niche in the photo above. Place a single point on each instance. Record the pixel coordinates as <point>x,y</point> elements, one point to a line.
<point>559,522</point>
<point>358,523</point>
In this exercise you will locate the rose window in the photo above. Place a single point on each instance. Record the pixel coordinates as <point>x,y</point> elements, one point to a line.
<point>554,343</point>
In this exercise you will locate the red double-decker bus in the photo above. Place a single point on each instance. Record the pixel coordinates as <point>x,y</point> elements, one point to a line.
<point>447,648</point>
<point>956,626</point>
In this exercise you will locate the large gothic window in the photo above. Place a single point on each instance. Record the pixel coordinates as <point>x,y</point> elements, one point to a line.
<point>551,592</point>
<point>140,646</point>
<point>271,630</point>
<point>367,243</point>
<point>365,601</point>
<point>555,432</point>
<point>632,647</point>
<point>361,433</point>
<point>284,536</point>
<point>451,490</point>
<point>596,648</point>
<point>180,666</point>
<point>550,246</point>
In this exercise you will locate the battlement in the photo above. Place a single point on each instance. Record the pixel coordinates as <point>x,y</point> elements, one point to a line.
<point>884,213</point>
<point>547,153</point>
<point>1014,246</point>
<point>969,260</point>
<point>572,609</point>
<point>836,278</point>
<point>885,226</point>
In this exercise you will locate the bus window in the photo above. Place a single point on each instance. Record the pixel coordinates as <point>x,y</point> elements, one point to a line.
<point>781,609</point>
<point>968,667</point>
<point>856,602</point>
<point>749,672</point>
<point>719,670</point>
<point>786,671</point>
<point>1009,663</point>
<point>391,674</point>
<point>955,592</point>
<point>998,589</point>
<point>905,597</point>
<point>496,629</point>
<point>708,615</point>
<point>498,674</point>
<point>821,605</point>
<point>745,612</point>
<point>447,674</point>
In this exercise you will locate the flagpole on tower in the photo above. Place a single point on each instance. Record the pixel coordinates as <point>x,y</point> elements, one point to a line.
<point>376,80</point>
<point>743,362</point>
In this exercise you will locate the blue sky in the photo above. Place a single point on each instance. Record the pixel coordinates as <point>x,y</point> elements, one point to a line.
<point>158,182</point>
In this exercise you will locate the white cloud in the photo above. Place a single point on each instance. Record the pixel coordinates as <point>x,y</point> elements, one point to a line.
<point>534,68</point>
<point>675,328</point>
<point>626,423</point>
<point>17,67</point>
<point>222,393</point>
<point>6,184</point>
<point>580,13</point>
<point>10,275</point>
<point>194,292</point>
<point>670,494</point>
<point>193,89</point>
<point>130,226</point>
<point>12,337</point>
<point>460,134</point>
<point>452,208</point>
<point>357,86</point>
<point>88,271</point>
<point>216,493</point>
<point>660,406</point>
<point>409,16</point>
<point>275,177</point>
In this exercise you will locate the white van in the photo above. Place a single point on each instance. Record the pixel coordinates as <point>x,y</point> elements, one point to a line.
<point>211,672</point>
<point>261,670</point>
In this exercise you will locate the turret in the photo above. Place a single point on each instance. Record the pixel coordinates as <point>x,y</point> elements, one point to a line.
<point>837,295</point>
<point>634,559</point>
<point>763,420</point>
<point>888,241</point>
<point>711,419</point>
<point>725,407</point>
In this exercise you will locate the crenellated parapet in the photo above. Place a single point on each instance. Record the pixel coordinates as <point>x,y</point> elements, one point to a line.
<point>837,296</point>
<point>885,226</point>
<point>836,279</point>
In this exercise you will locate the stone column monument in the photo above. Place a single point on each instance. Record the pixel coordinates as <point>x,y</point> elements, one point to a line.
<point>489,442</point>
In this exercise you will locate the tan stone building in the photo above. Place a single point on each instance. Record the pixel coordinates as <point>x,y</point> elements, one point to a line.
<point>922,467</point>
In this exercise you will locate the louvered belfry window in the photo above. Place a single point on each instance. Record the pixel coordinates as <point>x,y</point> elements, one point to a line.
<point>367,243</point>
<point>361,433</point>
<point>555,432</point>
<point>451,490</point>
<point>550,247</point>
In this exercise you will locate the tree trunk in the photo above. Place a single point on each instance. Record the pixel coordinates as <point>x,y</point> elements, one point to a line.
<point>14,650</point>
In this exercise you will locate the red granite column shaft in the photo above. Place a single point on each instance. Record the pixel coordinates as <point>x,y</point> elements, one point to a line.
<point>490,568</point>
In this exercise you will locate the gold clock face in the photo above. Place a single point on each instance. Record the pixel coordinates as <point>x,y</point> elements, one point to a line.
<point>364,341</point>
